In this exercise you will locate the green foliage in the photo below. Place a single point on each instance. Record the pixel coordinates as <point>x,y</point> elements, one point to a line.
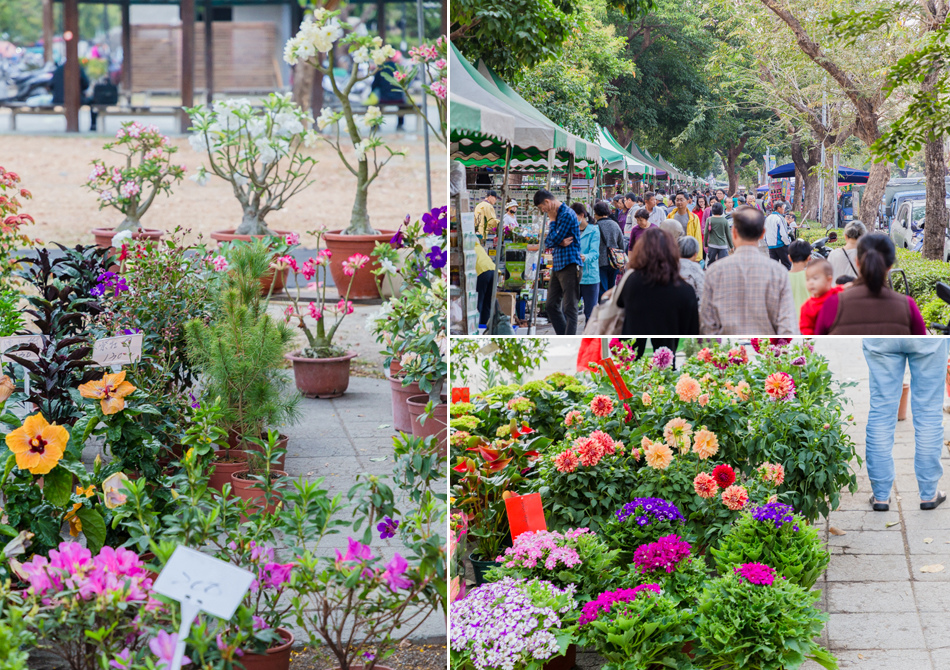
<point>922,274</point>
<point>11,315</point>
<point>684,585</point>
<point>934,310</point>
<point>797,555</point>
<point>757,627</point>
<point>509,357</point>
<point>812,235</point>
<point>15,636</point>
<point>597,567</point>
<point>646,632</point>
<point>241,353</point>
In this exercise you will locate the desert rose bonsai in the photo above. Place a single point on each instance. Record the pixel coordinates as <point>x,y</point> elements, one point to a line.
<point>257,151</point>
<point>145,171</point>
<point>316,38</point>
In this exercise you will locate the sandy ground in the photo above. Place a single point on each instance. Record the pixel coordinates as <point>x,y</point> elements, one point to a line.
<point>55,167</point>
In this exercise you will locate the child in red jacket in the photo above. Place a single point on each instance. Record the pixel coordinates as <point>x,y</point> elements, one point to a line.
<point>819,279</point>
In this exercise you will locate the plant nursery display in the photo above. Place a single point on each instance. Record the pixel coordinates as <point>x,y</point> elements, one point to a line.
<point>145,170</point>
<point>680,506</point>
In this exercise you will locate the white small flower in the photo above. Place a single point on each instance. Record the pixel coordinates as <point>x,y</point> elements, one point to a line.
<point>361,148</point>
<point>268,153</point>
<point>373,117</point>
<point>239,179</point>
<point>383,54</point>
<point>201,176</point>
<point>361,55</point>
<point>310,138</point>
<point>256,127</point>
<point>119,238</point>
<point>388,266</point>
<point>326,118</point>
<point>197,142</point>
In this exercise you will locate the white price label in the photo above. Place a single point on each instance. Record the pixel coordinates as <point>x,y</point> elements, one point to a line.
<point>7,343</point>
<point>121,350</point>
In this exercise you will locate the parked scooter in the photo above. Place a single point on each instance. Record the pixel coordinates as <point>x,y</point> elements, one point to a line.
<point>943,292</point>
<point>30,84</point>
<point>819,248</point>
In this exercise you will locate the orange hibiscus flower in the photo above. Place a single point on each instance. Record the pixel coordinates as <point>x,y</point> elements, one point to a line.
<point>37,444</point>
<point>110,391</point>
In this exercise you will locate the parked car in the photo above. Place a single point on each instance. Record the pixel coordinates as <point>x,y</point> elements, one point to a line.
<point>907,227</point>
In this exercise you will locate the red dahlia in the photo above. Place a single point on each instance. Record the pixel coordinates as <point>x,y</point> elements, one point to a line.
<point>724,475</point>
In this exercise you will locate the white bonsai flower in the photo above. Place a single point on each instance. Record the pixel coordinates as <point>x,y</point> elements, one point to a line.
<point>310,138</point>
<point>287,123</point>
<point>361,148</point>
<point>383,54</point>
<point>361,55</point>
<point>200,176</point>
<point>239,179</point>
<point>119,238</point>
<point>197,142</point>
<point>327,117</point>
<point>373,117</point>
<point>268,151</point>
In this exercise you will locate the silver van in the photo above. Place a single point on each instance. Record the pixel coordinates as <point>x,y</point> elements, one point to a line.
<point>909,221</point>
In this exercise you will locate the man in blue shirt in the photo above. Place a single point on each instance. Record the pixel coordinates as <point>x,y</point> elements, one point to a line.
<point>563,241</point>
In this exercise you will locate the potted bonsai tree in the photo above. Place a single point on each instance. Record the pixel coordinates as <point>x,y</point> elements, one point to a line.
<point>258,151</point>
<point>240,354</point>
<point>146,169</point>
<point>322,370</point>
<point>318,34</point>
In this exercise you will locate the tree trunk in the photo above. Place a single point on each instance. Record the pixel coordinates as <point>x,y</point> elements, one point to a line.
<point>935,170</point>
<point>359,218</point>
<point>935,226</point>
<point>829,212</point>
<point>880,173</point>
<point>797,196</point>
<point>252,224</point>
<point>804,161</point>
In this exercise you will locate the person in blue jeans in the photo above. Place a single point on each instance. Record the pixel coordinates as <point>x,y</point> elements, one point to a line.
<point>887,358</point>
<point>590,259</point>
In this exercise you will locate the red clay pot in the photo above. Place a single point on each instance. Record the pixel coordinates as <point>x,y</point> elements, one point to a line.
<point>401,419</point>
<point>343,246</point>
<point>221,472</point>
<point>437,424</point>
<point>282,440</point>
<point>229,235</point>
<point>104,235</point>
<point>247,489</point>
<point>276,658</point>
<point>565,662</point>
<point>321,377</point>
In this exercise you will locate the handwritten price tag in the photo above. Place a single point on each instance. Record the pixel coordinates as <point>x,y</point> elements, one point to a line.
<point>121,350</point>
<point>201,583</point>
<point>7,343</point>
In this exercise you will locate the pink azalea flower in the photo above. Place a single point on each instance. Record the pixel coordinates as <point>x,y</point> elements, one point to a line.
<point>356,552</point>
<point>345,306</point>
<point>277,574</point>
<point>163,646</point>
<point>314,312</point>
<point>395,570</point>
<point>71,557</point>
<point>292,238</point>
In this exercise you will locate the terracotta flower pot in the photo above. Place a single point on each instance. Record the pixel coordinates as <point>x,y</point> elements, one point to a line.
<point>276,658</point>
<point>344,246</point>
<point>401,419</point>
<point>104,235</point>
<point>282,441</point>
<point>280,281</point>
<point>321,377</point>
<point>248,489</point>
<point>221,470</point>
<point>436,425</point>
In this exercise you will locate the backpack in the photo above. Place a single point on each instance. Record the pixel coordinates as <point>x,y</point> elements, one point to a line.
<point>607,317</point>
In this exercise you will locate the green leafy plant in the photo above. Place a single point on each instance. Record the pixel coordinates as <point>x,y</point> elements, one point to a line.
<point>640,628</point>
<point>922,274</point>
<point>11,314</point>
<point>16,638</point>
<point>759,626</point>
<point>774,535</point>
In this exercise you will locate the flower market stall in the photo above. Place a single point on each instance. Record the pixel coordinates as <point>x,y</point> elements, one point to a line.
<point>658,515</point>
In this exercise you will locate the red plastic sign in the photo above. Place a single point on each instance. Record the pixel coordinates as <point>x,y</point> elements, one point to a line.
<point>461,394</point>
<point>525,513</point>
<point>614,375</point>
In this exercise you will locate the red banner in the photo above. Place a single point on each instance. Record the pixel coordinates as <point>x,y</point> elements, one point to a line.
<point>614,375</point>
<point>525,513</point>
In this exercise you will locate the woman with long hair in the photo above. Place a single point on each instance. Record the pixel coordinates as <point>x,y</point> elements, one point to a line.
<point>700,210</point>
<point>869,306</point>
<point>655,299</point>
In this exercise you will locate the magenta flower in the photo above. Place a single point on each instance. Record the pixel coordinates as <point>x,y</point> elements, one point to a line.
<point>605,600</point>
<point>662,358</point>
<point>664,554</point>
<point>71,557</point>
<point>395,570</point>
<point>122,660</point>
<point>756,573</point>
<point>356,552</point>
<point>277,574</point>
<point>292,238</point>
<point>387,528</point>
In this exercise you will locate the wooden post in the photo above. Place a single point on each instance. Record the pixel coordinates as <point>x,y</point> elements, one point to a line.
<point>381,18</point>
<point>71,93</point>
<point>569,182</point>
<point>187,60</point>
<point>47,31</point>
<point>209,53</point>
<point>500,247</point>
<point>127,52</point>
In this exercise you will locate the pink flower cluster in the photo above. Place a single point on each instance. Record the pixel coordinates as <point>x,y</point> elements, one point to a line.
<point>354,263</point>
<point>772,473</point>
<point>756,573</point>
<point>605,600</point>
<point>116,574</point>
<point>552,549</point>
<point>271,574</point>
<point>587,451</point>
<point>359,553</point>
<point>664,554</point>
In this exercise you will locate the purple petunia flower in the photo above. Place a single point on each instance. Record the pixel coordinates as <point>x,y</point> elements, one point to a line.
<point>397,240</point>
<point>778,513</point>
<point>434,221</point>
<point>648,510</point>
<point>437,257</point>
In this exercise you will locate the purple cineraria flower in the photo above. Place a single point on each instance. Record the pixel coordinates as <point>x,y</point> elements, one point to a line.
<point>756,573</point>
<point>110,280</point>
<point>650,510</point>
<point>122,661</point>
<point>662,358</point>
<point>437,257</point>
<point>778,513</point>
<point>368,655</point>
<point>396,241</point>
<point>387,528</point>
<point>666,554</point>
<point>800,360</point>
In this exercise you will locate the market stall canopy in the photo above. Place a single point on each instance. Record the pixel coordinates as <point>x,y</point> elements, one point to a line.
<point>531,141</point>
<point>585,152</point>
<point>472,117</point>
<point>846,175</point>
<point>640,154</point>
<point>634,165</point>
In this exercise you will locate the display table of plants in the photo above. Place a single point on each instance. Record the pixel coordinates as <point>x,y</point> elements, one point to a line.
<point>680,510</point>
